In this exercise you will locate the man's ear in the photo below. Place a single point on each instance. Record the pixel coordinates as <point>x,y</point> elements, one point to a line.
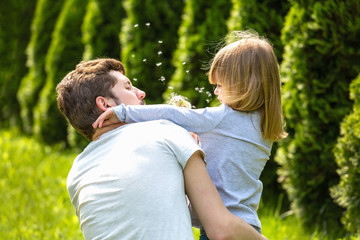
<point>101,102</point>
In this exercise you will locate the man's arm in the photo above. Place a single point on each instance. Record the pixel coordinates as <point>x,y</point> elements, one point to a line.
<point>218,222</point>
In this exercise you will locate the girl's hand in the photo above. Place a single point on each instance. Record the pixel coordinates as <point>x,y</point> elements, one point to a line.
<point>106,118</point>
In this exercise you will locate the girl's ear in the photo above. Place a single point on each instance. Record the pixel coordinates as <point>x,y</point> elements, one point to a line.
<point>101,102</point>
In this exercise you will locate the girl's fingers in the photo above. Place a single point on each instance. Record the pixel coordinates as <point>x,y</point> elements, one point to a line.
<point>103,119</point>
<point>98,122</point>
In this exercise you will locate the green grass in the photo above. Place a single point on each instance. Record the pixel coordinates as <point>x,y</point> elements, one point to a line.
<point>285,226</point>
<point>34,202</point>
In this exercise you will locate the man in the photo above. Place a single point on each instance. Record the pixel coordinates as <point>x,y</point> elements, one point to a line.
<point>128,183</point>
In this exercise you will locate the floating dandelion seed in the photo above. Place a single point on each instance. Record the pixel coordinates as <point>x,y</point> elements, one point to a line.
<point>183,63</point>
<point>158,64</point>
<point>159,52</point>
<point>162,79</point>
<point>147,24</point>
<point>187,71</point>
<point>160,41</point>
<point>200,90</point>
<point>144,60</point>
<point>134,79</point>
<point>136,25</point>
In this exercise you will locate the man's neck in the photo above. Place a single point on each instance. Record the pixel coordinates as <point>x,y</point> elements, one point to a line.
<point>101,131</point>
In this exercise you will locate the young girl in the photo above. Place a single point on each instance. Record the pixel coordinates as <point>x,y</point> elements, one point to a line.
<point>237,136</point>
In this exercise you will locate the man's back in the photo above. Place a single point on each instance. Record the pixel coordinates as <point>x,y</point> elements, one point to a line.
<point>129,183</point>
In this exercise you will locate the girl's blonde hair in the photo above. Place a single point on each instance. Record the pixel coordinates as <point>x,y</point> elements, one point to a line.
<point>249,74</point>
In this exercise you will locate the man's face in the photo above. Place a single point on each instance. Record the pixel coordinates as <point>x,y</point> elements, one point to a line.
<point>125,92</point>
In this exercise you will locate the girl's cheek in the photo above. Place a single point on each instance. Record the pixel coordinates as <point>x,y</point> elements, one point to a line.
<point>220,96</point>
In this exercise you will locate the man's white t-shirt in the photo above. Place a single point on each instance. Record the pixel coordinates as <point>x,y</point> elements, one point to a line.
<point>129,183</point>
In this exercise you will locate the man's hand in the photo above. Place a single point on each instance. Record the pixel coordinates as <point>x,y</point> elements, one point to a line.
<point>106,118</point>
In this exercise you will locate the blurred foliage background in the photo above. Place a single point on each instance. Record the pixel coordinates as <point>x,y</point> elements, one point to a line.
<point>166,47</point>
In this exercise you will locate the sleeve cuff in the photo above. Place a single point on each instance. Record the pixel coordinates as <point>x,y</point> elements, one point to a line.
<point>120,112</point>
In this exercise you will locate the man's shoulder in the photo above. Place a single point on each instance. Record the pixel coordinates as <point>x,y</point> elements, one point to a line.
<point>160,123</point>
<point>160,127</point>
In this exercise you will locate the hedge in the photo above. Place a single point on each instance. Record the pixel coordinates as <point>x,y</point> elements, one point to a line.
<point>148,39</point>
<point>265,17</point>
<point>101,28</point>
<point>318,65</point>
<point>14,37</point>
<point>41,28</point>
<point>64,53</point>
<point>347,156</point>
<point>203,24</point>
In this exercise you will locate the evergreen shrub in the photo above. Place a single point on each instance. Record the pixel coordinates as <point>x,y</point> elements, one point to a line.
<point>14,37</point>
<point>64,53</point>
<point>347,156</point>
<point>265,17</point>
<point>41,28</point>
<point>203,24</point>
<point>101,28</point>
<point>321,57</point>
<point>148,39</point>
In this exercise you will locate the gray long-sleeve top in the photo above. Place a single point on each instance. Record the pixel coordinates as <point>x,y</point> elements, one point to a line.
<point>235,150</point>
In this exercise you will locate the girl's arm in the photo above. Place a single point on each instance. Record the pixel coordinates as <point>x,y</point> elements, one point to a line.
<point>194,120</point>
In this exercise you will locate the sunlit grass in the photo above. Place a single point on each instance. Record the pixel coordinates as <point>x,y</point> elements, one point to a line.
<point>34,203</point>
<point>283,225</point>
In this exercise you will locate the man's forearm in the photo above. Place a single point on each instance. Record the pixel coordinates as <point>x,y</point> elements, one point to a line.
<point>218,222</point>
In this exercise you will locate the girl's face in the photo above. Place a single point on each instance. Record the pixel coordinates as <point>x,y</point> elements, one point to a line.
<point>218,88</point>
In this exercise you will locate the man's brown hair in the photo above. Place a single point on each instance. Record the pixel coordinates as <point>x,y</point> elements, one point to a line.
<point>78,90</point>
